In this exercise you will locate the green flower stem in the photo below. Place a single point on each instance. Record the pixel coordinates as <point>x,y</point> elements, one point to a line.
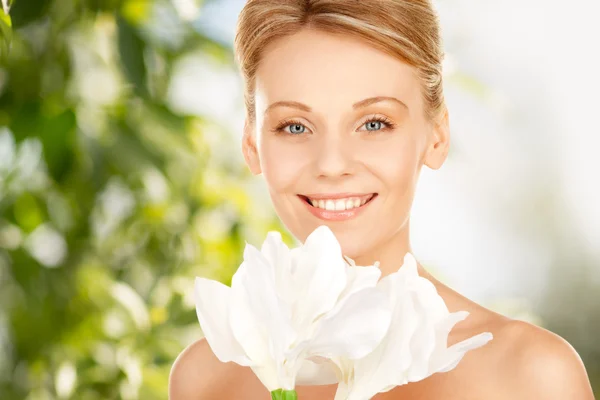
<point>281,394</point>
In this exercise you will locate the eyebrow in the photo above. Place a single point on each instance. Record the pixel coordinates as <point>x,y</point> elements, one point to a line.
<point>361,104</point>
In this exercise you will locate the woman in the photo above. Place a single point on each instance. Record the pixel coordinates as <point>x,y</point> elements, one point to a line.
<point>344,107</point>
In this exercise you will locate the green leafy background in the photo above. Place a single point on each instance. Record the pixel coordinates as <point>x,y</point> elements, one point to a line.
<point>110,203</point>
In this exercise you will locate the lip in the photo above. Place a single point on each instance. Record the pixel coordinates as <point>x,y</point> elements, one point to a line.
<point>336,215</point>
<point>321,196</point>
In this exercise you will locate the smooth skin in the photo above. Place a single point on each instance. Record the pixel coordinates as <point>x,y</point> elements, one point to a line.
<point>322,139</point>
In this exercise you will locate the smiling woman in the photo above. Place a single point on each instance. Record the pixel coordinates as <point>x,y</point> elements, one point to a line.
<point>345,106</point>
<point>353,123</point>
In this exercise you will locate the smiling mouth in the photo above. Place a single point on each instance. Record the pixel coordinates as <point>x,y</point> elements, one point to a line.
<point>334,205</point>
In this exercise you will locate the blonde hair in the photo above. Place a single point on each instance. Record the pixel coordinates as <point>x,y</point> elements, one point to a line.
<point>406,29</point>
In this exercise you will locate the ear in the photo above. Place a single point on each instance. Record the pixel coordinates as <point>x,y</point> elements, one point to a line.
<point>249,149</point>
<point>439,142</point>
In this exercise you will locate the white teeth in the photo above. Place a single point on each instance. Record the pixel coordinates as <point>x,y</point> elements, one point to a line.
<point>338,204</point>
<point>330,205</point>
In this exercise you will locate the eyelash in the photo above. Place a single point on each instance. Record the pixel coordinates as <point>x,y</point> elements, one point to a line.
<point>280,128</point>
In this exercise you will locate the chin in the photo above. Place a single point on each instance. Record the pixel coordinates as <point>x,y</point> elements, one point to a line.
<point>352,245</point>
<point>352,242</point>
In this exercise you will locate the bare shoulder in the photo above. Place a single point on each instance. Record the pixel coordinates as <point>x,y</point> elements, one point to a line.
<point>522,361</point>
<point>197,374</point>
<point>537,363</point>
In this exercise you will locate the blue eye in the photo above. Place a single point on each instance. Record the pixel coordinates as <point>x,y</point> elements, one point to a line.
<point>375,124</point>
<point>297,129</point>
<point>379,123</point>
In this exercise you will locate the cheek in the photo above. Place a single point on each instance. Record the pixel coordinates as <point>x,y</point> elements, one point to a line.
<point>401,172</point>
<point>281,163</point>
<point>397,165</point>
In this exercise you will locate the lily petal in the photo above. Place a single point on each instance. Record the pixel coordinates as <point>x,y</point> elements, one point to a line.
<point>212,308</point>
<point>319,273</point>
<point>415,346</point>
<point>259,322</point>
<point>313,372</point>
<point>388,364</point>
<point>355,328</point>
<point>245,320</point>
<point>288,309</point>
<point>456,352</point>
<point>278,255</point>
<point>359,278</point>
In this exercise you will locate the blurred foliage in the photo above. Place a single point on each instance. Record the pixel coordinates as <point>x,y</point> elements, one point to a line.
<point>5,32</point>
<point>110,202</point>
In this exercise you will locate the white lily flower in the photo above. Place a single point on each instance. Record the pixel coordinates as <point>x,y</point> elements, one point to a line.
<point>415,346</point>
<point>318,370</point>
<point>288,307</point>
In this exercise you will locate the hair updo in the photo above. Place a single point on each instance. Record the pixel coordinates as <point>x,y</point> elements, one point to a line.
<point>406,29</point>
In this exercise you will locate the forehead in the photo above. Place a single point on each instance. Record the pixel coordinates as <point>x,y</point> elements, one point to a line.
<point>325,70</point>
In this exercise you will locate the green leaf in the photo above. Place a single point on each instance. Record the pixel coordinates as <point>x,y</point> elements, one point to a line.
<point>5,33</point>
<point>131,51</point>
<point>136,11</point>
<point>281,394</point>
<point>24,12</point>
<point>56,131</point>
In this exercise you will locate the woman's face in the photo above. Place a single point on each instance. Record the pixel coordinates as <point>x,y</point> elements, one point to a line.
<point>337,117</point>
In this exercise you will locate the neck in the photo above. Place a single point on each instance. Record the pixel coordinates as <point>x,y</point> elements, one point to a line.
<point>390,254</point>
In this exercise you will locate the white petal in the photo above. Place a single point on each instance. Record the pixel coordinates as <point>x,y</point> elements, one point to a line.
<point>409,269</point>
<point>440,359</point>
<point>212,309</point>
<point>387,366</point>
<point>270,246</point>
<point>430,309</point>
<point>279,257</point>
<point>259,322</point>
<point>343,392</point>
<point>416,344</point>
<point>316,373</point>
<point>249,330</point>
<point>355,327</point>
<point>359,278</point>
<point>268,377</point>
<point>258,280</point>
<point>353,264</point>
<point>350,261</point>
<point>320,274</point>
<point>274,250</point>
<point>422,343</point>
<point>456,352</point>
<point>472,343</point>
<point>428,297</point>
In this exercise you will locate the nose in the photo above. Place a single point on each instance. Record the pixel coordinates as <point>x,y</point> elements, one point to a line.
<point>333,156</point>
